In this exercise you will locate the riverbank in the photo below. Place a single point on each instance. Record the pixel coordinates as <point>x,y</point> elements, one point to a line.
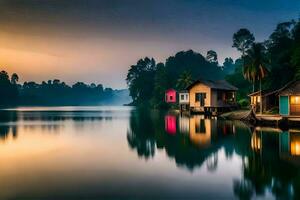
<point>262,119</point>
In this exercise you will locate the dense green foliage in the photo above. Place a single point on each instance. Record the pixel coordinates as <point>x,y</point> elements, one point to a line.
<point>56,93</point>
<point>142,73</point>
<point>280,55</point>
<point>237,79</point>
<point>243,40</point>
<point>274,62</point>
<point>8,88</point>
<point>148,81</point>
<point>265,169</point>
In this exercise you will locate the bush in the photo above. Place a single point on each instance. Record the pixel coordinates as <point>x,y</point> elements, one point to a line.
<point>244,103</point>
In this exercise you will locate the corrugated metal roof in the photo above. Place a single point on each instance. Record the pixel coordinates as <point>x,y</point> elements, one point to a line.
<point>220,85</point>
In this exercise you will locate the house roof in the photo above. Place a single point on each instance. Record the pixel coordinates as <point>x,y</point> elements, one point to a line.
<point>263,92</point>
<point>183,91</point>
<point>292,88</point>
<point>220,85</point>
<point>170,89</point>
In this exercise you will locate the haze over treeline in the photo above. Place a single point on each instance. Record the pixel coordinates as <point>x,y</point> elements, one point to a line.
<point>56,93</point>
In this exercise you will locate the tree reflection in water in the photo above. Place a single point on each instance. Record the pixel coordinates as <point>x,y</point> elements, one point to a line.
<point>143,143</point>
<point>7,129</point>
<point>270,157</point>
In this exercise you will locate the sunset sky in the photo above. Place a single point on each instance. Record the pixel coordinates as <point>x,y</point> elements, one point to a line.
<point>97,40</point>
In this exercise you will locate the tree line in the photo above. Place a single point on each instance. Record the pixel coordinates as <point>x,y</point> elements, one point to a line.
<point>269,64</point>
<point>55,92</point>
<point>148,80</point>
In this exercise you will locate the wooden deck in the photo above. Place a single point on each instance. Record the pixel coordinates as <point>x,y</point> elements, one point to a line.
<point>269,117</point>
<point>279,121</point>
<point>278,117</point>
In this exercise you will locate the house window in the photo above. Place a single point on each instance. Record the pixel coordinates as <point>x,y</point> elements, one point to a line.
<point>171,98</point>
<point>258,99</point>
<point>200,97</point>
<point>182,97</point>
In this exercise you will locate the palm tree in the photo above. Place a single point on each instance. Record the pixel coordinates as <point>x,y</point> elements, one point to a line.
<point>255,67</point>
<point>184,80</point>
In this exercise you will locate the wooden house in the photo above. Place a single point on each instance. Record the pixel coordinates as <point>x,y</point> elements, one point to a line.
<point>289,99</point>
<point>171,96</point>
<point>211,96</point>
<point>184,99</point>
<point>269,100</point>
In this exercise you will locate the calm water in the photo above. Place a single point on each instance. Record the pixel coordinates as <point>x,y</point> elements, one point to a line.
<point>120,152</point>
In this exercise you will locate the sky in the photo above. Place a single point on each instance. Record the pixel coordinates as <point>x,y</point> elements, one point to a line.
<point>98,40</point>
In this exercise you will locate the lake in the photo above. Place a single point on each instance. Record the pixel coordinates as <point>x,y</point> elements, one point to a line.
<point>127,153</point>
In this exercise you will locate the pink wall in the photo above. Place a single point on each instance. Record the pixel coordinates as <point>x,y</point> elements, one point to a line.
<point>170,124</point>
<point>170,96</point>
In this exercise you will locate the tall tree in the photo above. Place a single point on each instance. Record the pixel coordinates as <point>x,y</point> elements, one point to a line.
<point>14,78</point>
<point>242,41</point>
<point>161,84</point>
<point>4,77</point>
<point>296,49</point>
<point>280,47</point>
<point>228,65</point>
<point>140,80</point>
<point>256,66</point>
<point>212,57</point>
<point>8,91</point>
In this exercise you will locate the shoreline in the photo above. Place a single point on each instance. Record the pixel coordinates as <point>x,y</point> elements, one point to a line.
<point>274,120</point>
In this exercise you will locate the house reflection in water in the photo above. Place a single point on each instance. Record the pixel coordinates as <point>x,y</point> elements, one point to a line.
<point>200,130</point>
<point>290,143</point>
<point>295,144</point>
<point>256,141</point>
<point>170,124</point>
<point>184,124</point>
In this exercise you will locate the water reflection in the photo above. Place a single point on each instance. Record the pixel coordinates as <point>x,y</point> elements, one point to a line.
<point>191,140</point>
<point>270,157</point>
<point>170,124</point>
<point>64,113</point>
<point>7,131</point>
<point>52,119</point>
<point>149,154</point>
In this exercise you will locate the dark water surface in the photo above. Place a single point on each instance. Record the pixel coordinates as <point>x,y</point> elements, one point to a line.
<point>125,153</point>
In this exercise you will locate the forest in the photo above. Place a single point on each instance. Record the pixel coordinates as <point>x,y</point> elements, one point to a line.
<point>262,65</point>
<point>56,93</point>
